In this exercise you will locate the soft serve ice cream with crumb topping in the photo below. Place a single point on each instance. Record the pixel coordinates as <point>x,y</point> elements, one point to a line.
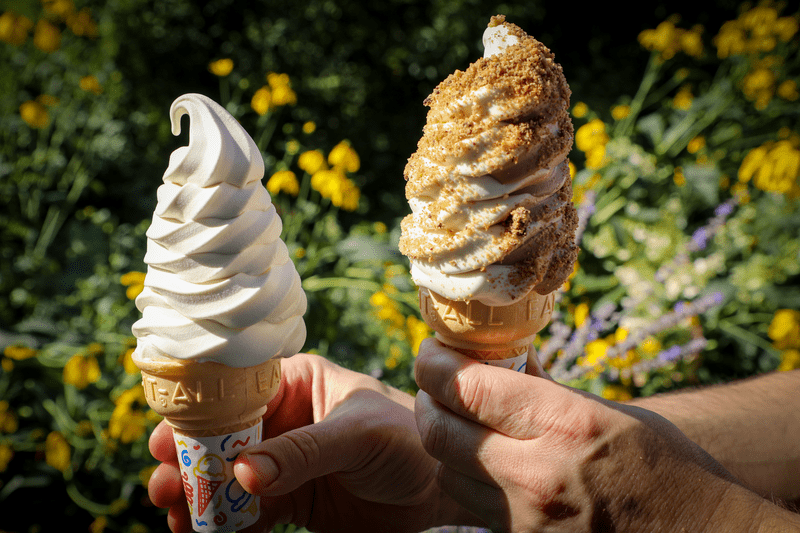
<point>220,285</point>
<point>489,185</point>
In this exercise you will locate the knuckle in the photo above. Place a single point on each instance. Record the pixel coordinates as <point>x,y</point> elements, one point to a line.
<point>303,448</point>
<point>468,392</point>
<point>434,434</point>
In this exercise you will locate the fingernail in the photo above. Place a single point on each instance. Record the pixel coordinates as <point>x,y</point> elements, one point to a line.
<point>260,466</point>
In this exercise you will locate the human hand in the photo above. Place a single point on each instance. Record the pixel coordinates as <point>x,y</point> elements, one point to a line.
<point>528,454</point>
<point>341,452</point>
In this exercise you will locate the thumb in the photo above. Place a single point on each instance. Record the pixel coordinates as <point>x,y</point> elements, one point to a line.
<point>280,465</point>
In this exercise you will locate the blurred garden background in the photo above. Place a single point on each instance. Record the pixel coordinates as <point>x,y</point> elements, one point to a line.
<point>686,168</point>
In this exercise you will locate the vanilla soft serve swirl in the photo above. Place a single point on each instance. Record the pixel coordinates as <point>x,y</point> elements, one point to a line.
<point>489,186</point>
<point>220,285</point>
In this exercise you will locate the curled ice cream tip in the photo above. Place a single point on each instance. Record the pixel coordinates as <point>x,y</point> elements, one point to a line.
<point>219,150</point>
<point>220,285</point>
<point>489,186</point>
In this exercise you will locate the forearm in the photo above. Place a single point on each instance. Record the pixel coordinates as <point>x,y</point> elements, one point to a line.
<point>752,427</point>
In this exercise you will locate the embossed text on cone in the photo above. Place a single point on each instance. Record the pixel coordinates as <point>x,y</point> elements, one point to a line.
<point>486,332</point>
<point>208,398</point>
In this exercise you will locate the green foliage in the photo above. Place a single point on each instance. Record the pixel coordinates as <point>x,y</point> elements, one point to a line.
<point>677,170</point>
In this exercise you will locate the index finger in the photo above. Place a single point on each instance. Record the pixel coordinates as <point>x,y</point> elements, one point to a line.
<point>515,404</point>
<point>162,445</point>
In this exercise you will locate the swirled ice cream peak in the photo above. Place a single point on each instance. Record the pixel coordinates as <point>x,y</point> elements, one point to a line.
<point>489,186</point>
<point>220,285</point>
<point>219,150</point>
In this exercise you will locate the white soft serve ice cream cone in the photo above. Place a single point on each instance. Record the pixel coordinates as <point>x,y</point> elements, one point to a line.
<point>222,303</point>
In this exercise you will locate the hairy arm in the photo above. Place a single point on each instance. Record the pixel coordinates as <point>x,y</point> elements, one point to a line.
<point>751,427</point>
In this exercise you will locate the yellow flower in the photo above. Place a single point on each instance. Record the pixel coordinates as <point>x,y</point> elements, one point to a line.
<point>46,36</point>
<point>683,99</point>
<point>774,167</point>
<point>650,346</point>
<point>292,146</point>
<point>343,156</point>
<point>580,110</point>
<point>790,360</point>
<point>696,144</point>
<point>283,180</point>
<point>309,127</point>
<point>312,161</point>
<point>59,8</point>
<point>667,39</point>
<point>691,42</point>
<point>323,181</point>
<point>784,329</point>
<point>596,157</point>
<point>786,28</point>
<point>134,281</point>
<point>127,362</point>
<point>678,177</point>
<point>80,371</point>
<point>346,195</point>
<point>84,428</point>
<point>788,90</point>
<point>261,100</point>
<point>277,80</point>
<point>6,454</point>
<point>595,353</point>
<point>619,112</point>
<point>616,393</point>
<point>418,331</point>
<point>81,23</point>
<point>731,40</point>
<point>581,314</point>
<point>34,114</point>
<point>283,95</point>
<point>47,100</point>
<point>14,28</point>
<point>128,424</point>
<point>391,362</point>
<point>98,525</point>
<point>387,309</point>
<point>8,420</point>
<point>91,85</point>
<point>591,135</point>
<point>19,352</point>
<point>145,474</point>
<point>57,452</point>
<point>751,163</point>
<point>758,85</point>
<point>221,67</point>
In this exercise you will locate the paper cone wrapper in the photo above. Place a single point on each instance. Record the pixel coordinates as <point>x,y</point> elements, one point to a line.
<point>215,412</point>
<point>497,335</point>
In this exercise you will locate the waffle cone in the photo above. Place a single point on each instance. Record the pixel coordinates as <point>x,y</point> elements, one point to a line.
<point>486,332</point>
<point>203,399</point>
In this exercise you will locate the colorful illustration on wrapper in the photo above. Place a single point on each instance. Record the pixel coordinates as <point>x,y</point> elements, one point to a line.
<point>210,475</point>
<point>207,469</point>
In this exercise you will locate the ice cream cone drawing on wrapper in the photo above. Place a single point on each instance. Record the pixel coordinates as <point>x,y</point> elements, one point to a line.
<point>491,234</point>
<point>222,304</point>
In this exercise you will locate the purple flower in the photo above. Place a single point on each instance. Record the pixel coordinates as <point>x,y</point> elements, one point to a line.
<point>670,354</point>
<point>700,238</point>
<point>724,209</point>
